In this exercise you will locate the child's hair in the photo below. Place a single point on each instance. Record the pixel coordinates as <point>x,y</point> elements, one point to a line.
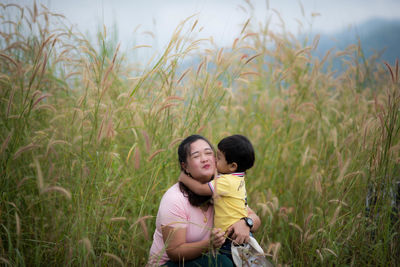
<point>237,148</point>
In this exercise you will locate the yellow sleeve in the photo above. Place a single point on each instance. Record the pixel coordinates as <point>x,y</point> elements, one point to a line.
<point>222,185</point>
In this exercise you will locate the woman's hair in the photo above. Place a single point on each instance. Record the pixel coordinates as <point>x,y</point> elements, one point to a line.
<point>183,153</point>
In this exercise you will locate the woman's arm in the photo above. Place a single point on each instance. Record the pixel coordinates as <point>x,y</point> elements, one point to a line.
<point>240,231</point>
<point>177,249</point>
<point>197,187</point>
<point>255,218</point>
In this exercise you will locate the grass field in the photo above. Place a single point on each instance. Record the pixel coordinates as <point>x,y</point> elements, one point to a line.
<point>89,142</point>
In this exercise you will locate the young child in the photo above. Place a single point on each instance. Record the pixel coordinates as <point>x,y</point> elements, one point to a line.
<point>235,155</point>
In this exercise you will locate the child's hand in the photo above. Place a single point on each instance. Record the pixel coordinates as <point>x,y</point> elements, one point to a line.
<point>239,232</point>
<point>183,177</point>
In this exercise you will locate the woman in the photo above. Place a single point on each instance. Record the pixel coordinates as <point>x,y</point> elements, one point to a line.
<point>184,220</point>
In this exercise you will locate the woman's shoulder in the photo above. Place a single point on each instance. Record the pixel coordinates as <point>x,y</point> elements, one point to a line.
<point>174,202</point>
<point>173,189</point>
<point>174,194</point>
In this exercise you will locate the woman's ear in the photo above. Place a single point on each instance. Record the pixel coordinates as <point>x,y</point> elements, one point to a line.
<point>183,165</point>
<point>233,167</point>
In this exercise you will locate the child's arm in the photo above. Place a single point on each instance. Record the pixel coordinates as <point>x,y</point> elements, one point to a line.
<point>195,186</point>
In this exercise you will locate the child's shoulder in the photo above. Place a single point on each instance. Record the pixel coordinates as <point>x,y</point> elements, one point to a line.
<point>230,175</point>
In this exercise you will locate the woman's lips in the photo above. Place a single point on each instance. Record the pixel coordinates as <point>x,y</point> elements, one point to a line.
<point>206,166</point>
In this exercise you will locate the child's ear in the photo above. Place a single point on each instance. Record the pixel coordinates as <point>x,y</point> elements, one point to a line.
<point>233,167</point>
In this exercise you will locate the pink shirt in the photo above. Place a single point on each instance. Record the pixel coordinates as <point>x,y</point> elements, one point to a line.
<point>176,211</point>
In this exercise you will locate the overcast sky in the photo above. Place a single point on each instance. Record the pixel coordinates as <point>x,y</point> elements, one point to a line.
<point>219,18</point>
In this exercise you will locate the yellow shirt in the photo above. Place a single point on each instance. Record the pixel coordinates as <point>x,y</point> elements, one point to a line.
<point>229,194</point>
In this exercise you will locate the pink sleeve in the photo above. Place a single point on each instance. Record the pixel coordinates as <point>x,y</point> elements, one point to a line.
<point>172,211</point>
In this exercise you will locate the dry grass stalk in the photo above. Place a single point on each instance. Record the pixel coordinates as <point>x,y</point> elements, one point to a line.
<point>335,215</point>
<point>24,149</point>
<point>253,57</point>
<point>110,132</point>
<point>305,156</point>
<point>219,56</point>
<point>142,223</point>
<point>310,237</point>
<point>200,129</point>
<point>158,151</point>
<point>249,73</point>
<point>59,189</point>
<point>248,35</point>
<point>296,226</point>
<point>144,228</point>
<point>235,43</point>
<point>20,183</point>
<point>130,152</point>
<point>343,171</point>
<point>318,183</point>
<point>183,75</point>
<point>40,182</point>
<point>200,66</point>
<point>40,99</point>
<point>245,26</point>
<point>334,136</point>
<point>165,106</point>
<point>5,261</point>
<point>118,219</point>
<point>316,41</point>
<point>55,142</point>
<point>302,51</point>
<point>88,245</point>
<point>17,225</point>
<point>114,257</point>
<point>330,251</point>
<point>175,141</point>
<point>147,140</point>
<point>319,255</point>
<point>137,159</point>
<point>106,127</point>
<point>174,97</point>
<point>121,185</point>
<point>274,248</point>
<point>5,142</point>
<point>46,106</point>
<point>265,209</point>
<point>308,219</point>
<point>338,201</point>
<point>9,59</point>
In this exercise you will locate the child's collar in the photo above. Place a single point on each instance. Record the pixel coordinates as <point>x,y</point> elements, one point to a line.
<point>239,174</point>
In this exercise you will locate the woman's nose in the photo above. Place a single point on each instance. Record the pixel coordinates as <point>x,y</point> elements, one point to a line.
<point>203,158</point>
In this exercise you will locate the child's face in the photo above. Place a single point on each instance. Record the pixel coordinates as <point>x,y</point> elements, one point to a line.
<point>223,166</point>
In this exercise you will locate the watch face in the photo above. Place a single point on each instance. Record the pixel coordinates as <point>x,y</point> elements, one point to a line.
<point>248,221</point>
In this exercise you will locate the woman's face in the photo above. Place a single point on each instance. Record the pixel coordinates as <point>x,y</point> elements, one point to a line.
<point>200,163</point>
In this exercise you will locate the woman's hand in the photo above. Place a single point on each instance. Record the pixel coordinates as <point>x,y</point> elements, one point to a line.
<point>239,232</point>
<point>217,238</point>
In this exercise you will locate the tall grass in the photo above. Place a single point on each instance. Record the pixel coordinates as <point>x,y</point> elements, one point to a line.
<point>89,140</point>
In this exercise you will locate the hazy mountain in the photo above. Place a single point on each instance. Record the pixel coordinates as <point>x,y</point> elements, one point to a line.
<point>376,36</point>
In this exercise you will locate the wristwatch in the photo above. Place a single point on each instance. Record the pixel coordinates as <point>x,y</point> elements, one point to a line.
<point>248,221</point>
